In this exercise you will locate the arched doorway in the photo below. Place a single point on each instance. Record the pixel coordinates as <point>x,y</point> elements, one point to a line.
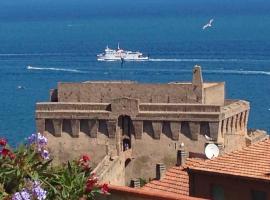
<point>124,123</point>
<point>127,162</point>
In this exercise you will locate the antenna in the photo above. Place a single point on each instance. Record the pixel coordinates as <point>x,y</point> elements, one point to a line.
<point>211,151</point>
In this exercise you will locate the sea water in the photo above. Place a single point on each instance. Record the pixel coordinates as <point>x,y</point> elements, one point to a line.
<point>42,44</point>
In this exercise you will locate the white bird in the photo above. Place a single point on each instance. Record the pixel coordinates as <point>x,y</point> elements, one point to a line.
<point>209,24</point>
<point>208,138</point>
<point>20,87</point>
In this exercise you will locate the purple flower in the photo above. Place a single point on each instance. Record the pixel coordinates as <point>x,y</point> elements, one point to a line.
<point>42,140</point>
<point>38,139</point>
<point>32,139</point>
<point>38,192</point>
<point>33,191</point>
<point>17,196</point>
<point>23,195</point>
<point>45,155</point>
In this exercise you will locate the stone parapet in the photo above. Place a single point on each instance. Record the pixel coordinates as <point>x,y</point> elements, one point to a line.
<point>52,106</point>
<point>170,107</point>
<point>234,108</point>
<point>72,114</point>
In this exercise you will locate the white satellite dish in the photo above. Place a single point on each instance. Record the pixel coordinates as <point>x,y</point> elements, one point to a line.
<point>211,151</point>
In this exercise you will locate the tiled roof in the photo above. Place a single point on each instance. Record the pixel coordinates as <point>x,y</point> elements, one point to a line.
<point>175,181</point>
<point>251,162</point>
<point>148,194</point>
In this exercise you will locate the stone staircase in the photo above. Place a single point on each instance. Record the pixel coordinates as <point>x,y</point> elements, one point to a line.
<point>101,167</point>
<point>112,169</point>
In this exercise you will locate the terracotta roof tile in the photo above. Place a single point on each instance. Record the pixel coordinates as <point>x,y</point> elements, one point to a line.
<point>250,162</point>
<point>149,194</point>
<point>175,181</point>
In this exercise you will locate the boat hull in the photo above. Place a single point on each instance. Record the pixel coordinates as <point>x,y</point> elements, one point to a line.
<point>125,59</point>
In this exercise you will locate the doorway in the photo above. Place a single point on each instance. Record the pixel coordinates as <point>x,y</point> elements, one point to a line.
<point>125,123</point>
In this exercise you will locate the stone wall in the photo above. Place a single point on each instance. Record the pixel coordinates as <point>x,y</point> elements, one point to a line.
<point>67,148</point>
<point>107,91</point>
<point>214,94</point>
<point>147,152</point>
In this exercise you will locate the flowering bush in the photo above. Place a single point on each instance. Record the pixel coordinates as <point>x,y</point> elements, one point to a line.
<point>26,174</point>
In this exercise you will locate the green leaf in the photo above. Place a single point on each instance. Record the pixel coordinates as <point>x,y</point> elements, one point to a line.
<point>45,165</point>
<point>69,168</point>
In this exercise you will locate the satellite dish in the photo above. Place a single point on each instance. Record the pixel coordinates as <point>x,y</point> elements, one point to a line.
<point>211,151</point>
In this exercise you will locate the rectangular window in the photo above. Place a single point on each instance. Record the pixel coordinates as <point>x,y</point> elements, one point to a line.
<point>258,195</point>
<point>217,192</point>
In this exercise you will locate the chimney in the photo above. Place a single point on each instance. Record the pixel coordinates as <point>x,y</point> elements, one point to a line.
<point>181,156</point>
<point>160,171</point>
<point>135,183</point>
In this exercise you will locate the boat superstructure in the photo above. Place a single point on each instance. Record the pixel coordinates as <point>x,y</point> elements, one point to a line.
<point>120,54</point>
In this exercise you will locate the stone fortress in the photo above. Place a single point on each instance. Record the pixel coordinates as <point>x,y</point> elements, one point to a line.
<point>129,127</point>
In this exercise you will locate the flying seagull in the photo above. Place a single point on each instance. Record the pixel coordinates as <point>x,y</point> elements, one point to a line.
<point>209,24</point>
<point>20,87</point>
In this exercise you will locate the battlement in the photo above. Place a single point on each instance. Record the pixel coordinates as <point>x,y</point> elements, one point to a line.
<point>158,114</point>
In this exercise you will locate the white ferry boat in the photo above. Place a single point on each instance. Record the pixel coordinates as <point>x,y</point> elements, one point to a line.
<point>120,54</point>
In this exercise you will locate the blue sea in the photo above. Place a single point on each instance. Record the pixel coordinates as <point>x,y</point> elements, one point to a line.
<point>59,40</point>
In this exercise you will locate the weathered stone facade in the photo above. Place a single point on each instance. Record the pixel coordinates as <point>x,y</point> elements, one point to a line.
<point>152,120</point>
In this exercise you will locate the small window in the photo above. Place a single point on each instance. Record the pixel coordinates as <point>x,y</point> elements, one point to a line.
<point>218,192</point>
<point>258,195</point>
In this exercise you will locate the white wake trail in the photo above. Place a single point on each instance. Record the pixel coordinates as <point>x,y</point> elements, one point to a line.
<point>203,60</point>
<point>190,60</point>
<point>209,71</point>
<point>35,54</point>
<point>54,69</point>
<point>243,72</point>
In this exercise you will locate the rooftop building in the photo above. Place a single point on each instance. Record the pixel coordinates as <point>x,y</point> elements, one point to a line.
<point>242,174</point>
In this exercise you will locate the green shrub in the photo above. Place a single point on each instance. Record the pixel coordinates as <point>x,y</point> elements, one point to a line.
<point>26,174</point>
